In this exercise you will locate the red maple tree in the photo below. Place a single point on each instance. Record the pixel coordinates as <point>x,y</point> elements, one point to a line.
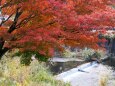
<point>45,25</point>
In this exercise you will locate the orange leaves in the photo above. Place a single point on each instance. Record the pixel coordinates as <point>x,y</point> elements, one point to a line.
<point>48,24</point>
<point>3,34</point>
<point>43,5</point>
<point>8,23</point>
<point>3,31</point>
<point>2,28</point>
<point>3,2</point>
<point>85,40</point>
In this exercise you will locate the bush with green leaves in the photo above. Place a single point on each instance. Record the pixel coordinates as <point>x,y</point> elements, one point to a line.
<point>89,53</point>
<point>25,57</point>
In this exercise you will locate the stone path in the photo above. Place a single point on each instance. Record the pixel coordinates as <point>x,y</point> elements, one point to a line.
<point>64,59</point>
<point>90,75</point>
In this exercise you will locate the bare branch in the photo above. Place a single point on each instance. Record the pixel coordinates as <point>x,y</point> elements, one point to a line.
<point>25,20</point>
<point>6,4</point>
<point>3,21</point>
<point>13,26</point>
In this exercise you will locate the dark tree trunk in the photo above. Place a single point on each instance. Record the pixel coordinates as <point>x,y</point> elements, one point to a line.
<point>13,26</point>
<point>2,52</point>
<point>2,49</point>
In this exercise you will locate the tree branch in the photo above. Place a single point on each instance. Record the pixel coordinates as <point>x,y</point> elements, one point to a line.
<point>25,20</point>
<point>13,26</point>
<point>3,21</point>
<point>6,4</point>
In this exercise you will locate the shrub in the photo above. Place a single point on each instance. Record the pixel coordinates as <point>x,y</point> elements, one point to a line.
<point>67,53</point>
<point>88,53</point>
<point>12,73</point>
<point>25,57</point>
<point>105,76</point>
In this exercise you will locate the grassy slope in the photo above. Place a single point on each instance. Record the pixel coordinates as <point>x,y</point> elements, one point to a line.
<point>12,73</point>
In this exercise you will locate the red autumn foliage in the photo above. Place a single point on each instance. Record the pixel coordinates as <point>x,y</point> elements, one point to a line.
<point>45,25</point>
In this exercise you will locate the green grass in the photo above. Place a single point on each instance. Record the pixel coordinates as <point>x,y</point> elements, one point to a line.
<point>12,73</point>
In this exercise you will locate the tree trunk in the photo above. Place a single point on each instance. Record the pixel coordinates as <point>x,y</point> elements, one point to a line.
<point>2,52</point>
<point>3,49</point>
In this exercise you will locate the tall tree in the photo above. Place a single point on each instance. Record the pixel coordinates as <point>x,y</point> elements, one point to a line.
<point>44,25</point>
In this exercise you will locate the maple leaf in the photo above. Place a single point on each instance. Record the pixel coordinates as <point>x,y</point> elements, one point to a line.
<point>45,25</point>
